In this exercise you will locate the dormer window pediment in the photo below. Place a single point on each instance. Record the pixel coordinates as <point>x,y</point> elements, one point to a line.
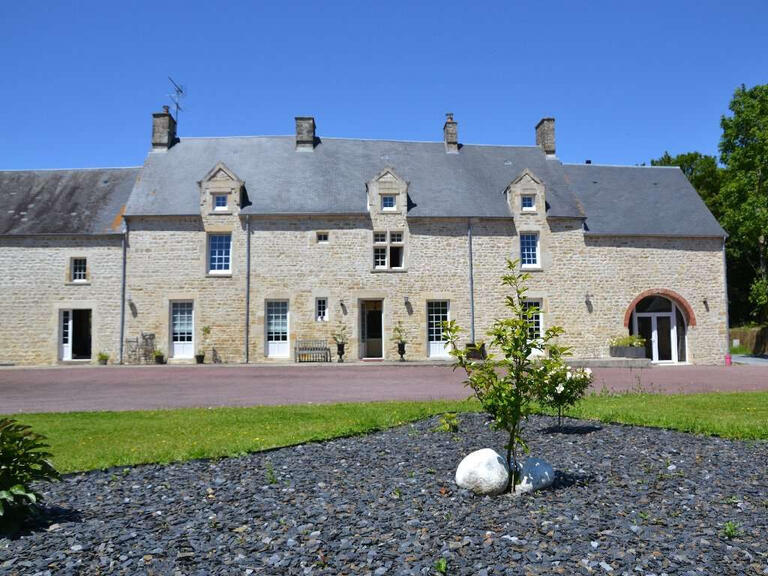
<point>387,193</point>
<point>220,191</point>
<point>526,195</point>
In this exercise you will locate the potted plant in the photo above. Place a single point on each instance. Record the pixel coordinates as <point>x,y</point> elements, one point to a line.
<point>340,337</point>
<point>159,356</point>
<point>103,358</point>
<point>632,346</point>
<point>399,336</point>
<point>200,356</point>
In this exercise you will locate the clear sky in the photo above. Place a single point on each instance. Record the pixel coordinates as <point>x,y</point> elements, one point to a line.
<point>625,80</point>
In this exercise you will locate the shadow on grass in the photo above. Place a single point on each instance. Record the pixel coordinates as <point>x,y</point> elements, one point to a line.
<point>46,517</point>
<point>574,429</point>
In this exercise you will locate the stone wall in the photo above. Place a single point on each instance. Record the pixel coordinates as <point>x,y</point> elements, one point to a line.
<point>35,286</point>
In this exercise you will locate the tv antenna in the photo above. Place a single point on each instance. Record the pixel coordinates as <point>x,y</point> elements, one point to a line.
<point>178,93</point>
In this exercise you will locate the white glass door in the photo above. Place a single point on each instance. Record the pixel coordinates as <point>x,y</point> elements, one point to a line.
<point>277,329</point>
<point>437,313</point>
<point>660,332</point>
<point>65,339</point>
<point>182,330</point>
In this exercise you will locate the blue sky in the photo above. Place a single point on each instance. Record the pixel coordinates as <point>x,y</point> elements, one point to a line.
<point>625,81</point>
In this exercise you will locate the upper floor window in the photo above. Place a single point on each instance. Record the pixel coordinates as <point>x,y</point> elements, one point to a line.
<point>388,202</point>
<point>219,253</point>
<point>220,202</point>
<point>528,203</point>
<point>529,250</point>
<point>322,237</point>
<point>79,270</point>
<point>534,306</point>
<point>321,309</point>
<point>388,250</point>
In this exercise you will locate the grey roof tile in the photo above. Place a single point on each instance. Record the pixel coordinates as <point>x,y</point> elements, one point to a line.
<point>87,201</point>
<point>640,201</point>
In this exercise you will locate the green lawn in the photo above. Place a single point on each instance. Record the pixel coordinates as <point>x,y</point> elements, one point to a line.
<point>87,440</point>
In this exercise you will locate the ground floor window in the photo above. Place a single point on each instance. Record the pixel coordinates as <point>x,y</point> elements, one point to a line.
<point>660,322</point>
<point>75,334</point>
<point>437,313</point>
<point>277,329</point>
<point>534,331</point>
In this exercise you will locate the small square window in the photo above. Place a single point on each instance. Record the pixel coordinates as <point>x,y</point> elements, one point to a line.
<point>529,250</point>
<point>79,270</point>
<point>322,237</point>
<point>396,237</point>
<point>321,309</point>
<point>388,202</point>
<point>528,203</point>
<point>380,237</point>
<point>220,202</point>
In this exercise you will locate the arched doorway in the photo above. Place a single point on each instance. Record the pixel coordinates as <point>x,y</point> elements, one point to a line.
<point>661,321</point>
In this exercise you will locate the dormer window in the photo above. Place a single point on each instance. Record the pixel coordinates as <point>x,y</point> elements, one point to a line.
<point>388,202</point>
<point>528,203</point>
<point>220,202</point>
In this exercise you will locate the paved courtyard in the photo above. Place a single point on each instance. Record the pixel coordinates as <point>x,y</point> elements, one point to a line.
<point>152,387</point>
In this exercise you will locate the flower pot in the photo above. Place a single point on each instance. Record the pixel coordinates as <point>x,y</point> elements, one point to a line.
<point>103,361</point>
<point>401,350</point>
<point>200,358</point>
<point>159,359</point>
<point>340,351</point>
<point>627,351</point>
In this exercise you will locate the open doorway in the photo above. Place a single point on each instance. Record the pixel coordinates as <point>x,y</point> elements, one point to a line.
<point>371,333</point>
<point>75,334</point>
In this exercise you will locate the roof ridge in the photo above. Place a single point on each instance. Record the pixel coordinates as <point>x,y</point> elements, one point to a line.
<point>614,165</point>
<point>70,169</point>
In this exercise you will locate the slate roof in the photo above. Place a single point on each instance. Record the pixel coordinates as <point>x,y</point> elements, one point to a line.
<point>331,178</point>
<point>87,201</point>
<point>640,201</point>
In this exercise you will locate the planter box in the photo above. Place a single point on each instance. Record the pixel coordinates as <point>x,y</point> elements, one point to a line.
<point>627,351</point>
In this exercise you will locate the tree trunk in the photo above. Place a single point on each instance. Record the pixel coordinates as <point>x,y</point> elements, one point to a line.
<point>511,462</point>
<point>559,416</point>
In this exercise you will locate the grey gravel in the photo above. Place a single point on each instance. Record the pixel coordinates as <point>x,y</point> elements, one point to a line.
<point>386,503</point>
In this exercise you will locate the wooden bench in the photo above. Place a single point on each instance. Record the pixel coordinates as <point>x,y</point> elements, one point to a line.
<point>312,351</point>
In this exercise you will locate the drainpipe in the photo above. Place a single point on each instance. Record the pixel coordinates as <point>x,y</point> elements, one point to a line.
<point>471,283</point>
<point>247,282</point>
<point>727,317</point>
<point>122,289</point>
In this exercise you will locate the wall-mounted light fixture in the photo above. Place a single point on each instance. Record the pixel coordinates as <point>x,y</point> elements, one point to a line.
<point>588,301</point>
<point>706,304</point>
<point>408,307</point>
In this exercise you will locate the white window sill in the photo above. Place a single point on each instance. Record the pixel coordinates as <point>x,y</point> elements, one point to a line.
<point>226,212</point>
<point>528,211</point>
<point>531,268</point>
<point>395,270</point>
<point>78,283</point>
<point>217,274</point>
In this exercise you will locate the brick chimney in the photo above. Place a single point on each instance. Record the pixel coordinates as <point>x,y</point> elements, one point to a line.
<point>545,135</point>
<point>163,130</point>
<point>451,134</point>
<point>305,133</point>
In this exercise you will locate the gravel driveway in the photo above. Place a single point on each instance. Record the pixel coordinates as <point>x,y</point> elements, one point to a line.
<point>626,500</point>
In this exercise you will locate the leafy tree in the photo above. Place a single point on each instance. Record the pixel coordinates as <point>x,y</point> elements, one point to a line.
<point>744,191</point>
<point>507,385</point>
<point>702,172</point>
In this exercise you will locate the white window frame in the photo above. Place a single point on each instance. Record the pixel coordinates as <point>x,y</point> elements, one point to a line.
<point>222,271</point>
<point>216,207</point>
<point>73,274</point>
<point>532,207</point>
<point>321,315</point>
<point>322,237</point>
<point>392,208</point>
<point>277,348</point>
<point>386,245</point>
<point>537,264</point>
<point>181,348</point>
<point>529,302</point>
<point>433,350</point>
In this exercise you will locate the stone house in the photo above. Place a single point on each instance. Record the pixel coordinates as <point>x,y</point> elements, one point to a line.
<point>266,241</point>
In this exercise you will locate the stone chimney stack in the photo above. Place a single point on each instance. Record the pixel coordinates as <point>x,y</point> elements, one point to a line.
<point>545,135</point>
<point>305,133</point>
<point>163,130</point>
<point>451,134</point>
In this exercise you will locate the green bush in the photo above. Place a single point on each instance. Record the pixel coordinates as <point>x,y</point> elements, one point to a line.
<point>23,461</point>
<point>563,386</point>
<point>632,340</point>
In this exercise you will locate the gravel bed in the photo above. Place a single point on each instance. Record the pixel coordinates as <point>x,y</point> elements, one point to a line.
<point>626,500</point>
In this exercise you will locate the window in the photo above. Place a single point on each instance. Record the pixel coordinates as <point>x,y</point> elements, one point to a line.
<point>388,202</point>
<point>321,309</point>
<point>322,237</point>
<point>220,202</point>
<point>277,329</point>
<point>528,203</point>
<point>437,313</point>
<point>529,250</point>
<point>79,270</point>
<point>219,253</point>
<point>388,254</point>
<point>534,331</point>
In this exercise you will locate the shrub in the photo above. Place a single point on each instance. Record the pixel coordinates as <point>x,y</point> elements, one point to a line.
<point>506,386</point>
<point>103,357</point>
<point>399,334</point>
<point>563,386</point>
<point>448,422</point>
<point>633,340</point>
<point>23,461</point>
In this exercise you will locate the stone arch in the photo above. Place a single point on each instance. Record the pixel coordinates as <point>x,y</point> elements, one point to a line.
<point>681,302</point>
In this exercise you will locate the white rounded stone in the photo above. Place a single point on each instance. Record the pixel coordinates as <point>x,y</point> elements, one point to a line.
<point>483,472</point>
